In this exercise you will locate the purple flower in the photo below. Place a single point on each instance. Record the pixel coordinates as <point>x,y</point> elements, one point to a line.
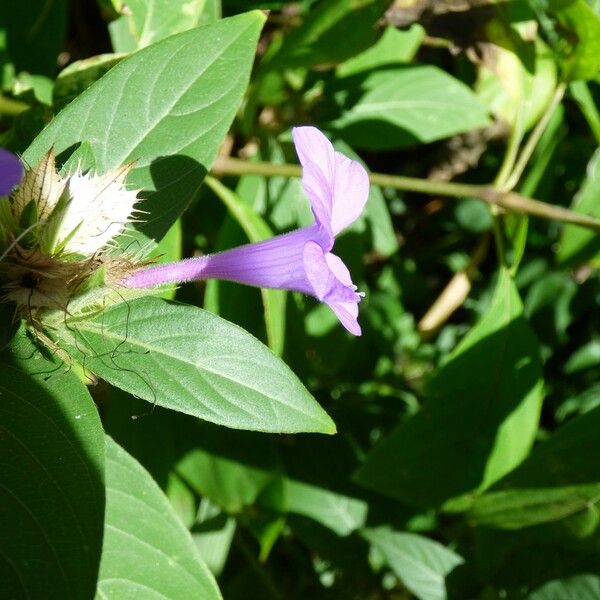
<point>301,260</point>
<point>11,171</point>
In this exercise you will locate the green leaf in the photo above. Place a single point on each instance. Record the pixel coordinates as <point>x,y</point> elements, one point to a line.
<point>391,108</point>
<point>378,217</point>
<point>184,358</point>
<point>517,75</point>
<point>480,419</point>
<point>560,479</point>
<point>421,564</point>
<point>332,32</point>
<point>182,499</point>
<point>229,467</point>
<point>393,47</point>
<point>316,485</point>
<point>581,93</point>
<point>257,230</point>
<point>579,44</point>
<point>167,107</point>
<point>150,21</point>
<point>585,357</point>
<point>341,513</point>
<point>213,535</point>
<point>577,587</point>
<point>52,492</point>
<point>147,551</point>
<point>578,245</point>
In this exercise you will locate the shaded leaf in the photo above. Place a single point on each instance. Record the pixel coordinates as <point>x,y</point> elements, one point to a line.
<point>333,31</point>
<point>52,492</point>
<point>561,478</point>
<point>578,245</point>
<point>230,468</point>
<point>393,47</point>
<point>480,418</point>
<point>579,44</point>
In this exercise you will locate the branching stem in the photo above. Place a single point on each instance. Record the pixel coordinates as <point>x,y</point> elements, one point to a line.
<point>506,201</point>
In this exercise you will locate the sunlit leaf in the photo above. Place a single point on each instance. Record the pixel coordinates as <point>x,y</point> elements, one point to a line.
<point>147,551</point>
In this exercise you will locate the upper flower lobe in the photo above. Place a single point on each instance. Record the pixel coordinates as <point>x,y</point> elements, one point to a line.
<point>337,188</point>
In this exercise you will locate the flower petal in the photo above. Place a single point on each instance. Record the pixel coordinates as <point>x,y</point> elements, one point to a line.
<point>331,283</point>
<point>351,190</point>
<point>316,269</point>
<point>339,269</point>
<point>347,313</point>
<point>317,157</point>
<point>11,171</point>
<point>336,186</point>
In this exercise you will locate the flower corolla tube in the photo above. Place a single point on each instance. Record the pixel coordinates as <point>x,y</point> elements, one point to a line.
<point>301,260</point>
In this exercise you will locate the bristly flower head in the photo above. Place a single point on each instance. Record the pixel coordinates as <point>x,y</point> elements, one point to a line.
<point>79,214</point>
<point>11,171</point>
<point>54,231</point>
<point>301,260</point>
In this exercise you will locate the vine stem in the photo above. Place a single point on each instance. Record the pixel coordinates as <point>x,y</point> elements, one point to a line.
<point>534,138</point>
<point>504,200</point>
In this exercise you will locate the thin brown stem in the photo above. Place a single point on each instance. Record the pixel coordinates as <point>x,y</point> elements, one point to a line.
<point>507,201</point>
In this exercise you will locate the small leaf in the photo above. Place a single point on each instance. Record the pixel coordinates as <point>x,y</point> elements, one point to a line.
<point>341,513</point>
<point>577,587</point>
<point>152,20</point>
<point>184,358</point>
<point>147,551</point>
<point>316,485</point>
<point>213,535</point>
<point>231,468</point>
<point>394,46</point>
<point>579,44</point>
<point>421,564</point>
<point>79,75</point>
<point>578,245</point>
<point>333,31</point>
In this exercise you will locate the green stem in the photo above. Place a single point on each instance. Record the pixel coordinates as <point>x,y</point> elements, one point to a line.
<point>534,138</point>
<point>509,201</point>
<point>510,156</point>
<point>512,150</point>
